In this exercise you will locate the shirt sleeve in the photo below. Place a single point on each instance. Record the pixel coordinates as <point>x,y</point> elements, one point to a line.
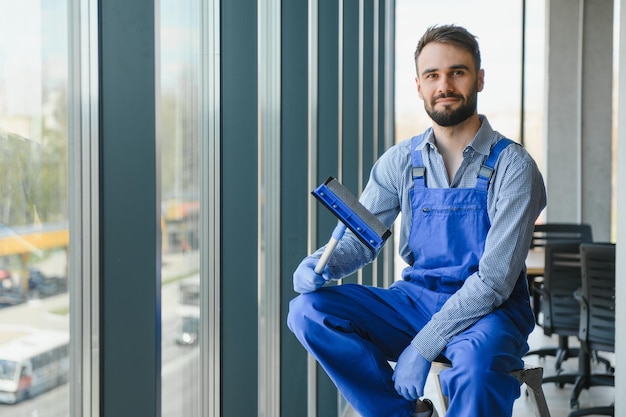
<point>515,200</point>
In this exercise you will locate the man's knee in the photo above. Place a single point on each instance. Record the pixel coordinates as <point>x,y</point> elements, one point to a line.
<point>301,308</point>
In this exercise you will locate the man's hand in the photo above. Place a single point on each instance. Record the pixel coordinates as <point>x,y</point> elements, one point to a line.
<point>305,279</point>
<point>410,374</point>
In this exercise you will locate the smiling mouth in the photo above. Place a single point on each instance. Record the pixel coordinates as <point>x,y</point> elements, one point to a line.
<point>447,100</point>
<point>446,104</point>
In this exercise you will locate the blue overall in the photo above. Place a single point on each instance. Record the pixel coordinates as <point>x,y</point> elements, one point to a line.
<point>354,330</point>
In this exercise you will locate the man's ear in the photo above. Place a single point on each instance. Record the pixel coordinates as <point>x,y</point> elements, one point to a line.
<point>481,79</point>
<point>419,88</point>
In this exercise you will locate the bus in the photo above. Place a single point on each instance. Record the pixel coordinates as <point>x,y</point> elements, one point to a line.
<point>32,364</point>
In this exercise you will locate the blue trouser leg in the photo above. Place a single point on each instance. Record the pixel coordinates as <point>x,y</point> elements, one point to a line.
<point>353,331</point>
<point>479,383</point>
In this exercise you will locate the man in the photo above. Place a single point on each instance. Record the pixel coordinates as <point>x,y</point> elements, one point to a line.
<point>469,199</point>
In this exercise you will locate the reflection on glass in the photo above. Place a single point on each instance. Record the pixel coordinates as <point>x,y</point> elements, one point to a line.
<point>177,121</point>
<point>34,309</point>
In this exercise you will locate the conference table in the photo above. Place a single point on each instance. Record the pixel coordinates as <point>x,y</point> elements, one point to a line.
<point>535,262</point>
<point>535,267</point>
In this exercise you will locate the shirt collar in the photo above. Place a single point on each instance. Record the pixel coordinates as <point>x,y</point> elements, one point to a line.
<point>484,138</point>
<point>481,143</point>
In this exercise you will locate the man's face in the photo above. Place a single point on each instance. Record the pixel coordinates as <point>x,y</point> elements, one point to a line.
<point>448,83</point>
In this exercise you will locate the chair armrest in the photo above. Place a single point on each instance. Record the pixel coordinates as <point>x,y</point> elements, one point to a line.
<point>584,315</point>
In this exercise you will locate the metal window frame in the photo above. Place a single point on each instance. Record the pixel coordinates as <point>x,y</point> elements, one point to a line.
<point>83,161</point>
<point>210,201</point>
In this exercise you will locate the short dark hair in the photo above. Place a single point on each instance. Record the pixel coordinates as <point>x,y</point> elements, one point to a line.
<point>453,34</point>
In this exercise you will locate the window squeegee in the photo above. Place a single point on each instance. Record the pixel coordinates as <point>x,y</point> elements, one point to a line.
<point>351,214</point>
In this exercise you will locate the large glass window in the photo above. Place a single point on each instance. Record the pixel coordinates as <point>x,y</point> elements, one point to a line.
<point>500,41</point>
<point>178,124</point>
<point>534,78</point>
<point>34,236</point>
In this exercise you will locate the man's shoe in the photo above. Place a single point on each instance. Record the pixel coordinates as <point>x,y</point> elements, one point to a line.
<point>430,413</point>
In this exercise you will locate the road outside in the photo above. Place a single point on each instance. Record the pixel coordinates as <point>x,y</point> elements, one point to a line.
<point>180,369</point>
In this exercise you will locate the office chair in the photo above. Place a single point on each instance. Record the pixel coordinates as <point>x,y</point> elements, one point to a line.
<point>551,232</point>
<point>561,311</point>
<point>563,232</point>
<point>597,324</point>
<point>542,235</point>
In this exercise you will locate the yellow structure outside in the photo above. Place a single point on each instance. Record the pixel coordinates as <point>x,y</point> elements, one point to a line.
<point>33,242</point>
<point>23,245</point>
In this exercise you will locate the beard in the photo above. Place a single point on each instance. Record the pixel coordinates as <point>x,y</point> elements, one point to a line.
<point>449,117</point>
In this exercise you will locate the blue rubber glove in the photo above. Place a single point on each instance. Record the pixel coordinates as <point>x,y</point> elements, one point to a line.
<point>305,279</point>
<point>410,373</point>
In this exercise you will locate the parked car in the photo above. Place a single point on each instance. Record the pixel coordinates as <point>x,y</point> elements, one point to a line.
<point>45,285</point>
<point>188,335</point>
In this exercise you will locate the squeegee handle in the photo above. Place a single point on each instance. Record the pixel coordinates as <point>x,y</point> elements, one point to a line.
<point>340,229</point>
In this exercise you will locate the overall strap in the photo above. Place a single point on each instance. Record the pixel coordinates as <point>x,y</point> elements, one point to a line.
<point>419,170</point>
<point>487,168</point>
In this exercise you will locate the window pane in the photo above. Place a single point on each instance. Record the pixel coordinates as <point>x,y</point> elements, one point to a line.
<point>34,302</point>
<point>500,41</point>
<point>534,93</point>
<point>177,121</point>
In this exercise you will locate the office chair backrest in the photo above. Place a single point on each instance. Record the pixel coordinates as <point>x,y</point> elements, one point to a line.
<point>597,328</point>
<point>561,278</point>
<point>562,232</point>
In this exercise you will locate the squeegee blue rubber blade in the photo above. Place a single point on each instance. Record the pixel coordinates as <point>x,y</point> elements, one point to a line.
<point>345,212</point>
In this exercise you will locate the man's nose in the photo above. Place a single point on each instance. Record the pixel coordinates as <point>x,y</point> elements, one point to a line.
<point>445,85</point>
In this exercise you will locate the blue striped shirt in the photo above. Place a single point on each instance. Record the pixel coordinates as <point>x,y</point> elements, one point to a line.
<point>516,197</point>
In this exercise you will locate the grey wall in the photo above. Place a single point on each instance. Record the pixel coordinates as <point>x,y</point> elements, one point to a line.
<point>579,87</point>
